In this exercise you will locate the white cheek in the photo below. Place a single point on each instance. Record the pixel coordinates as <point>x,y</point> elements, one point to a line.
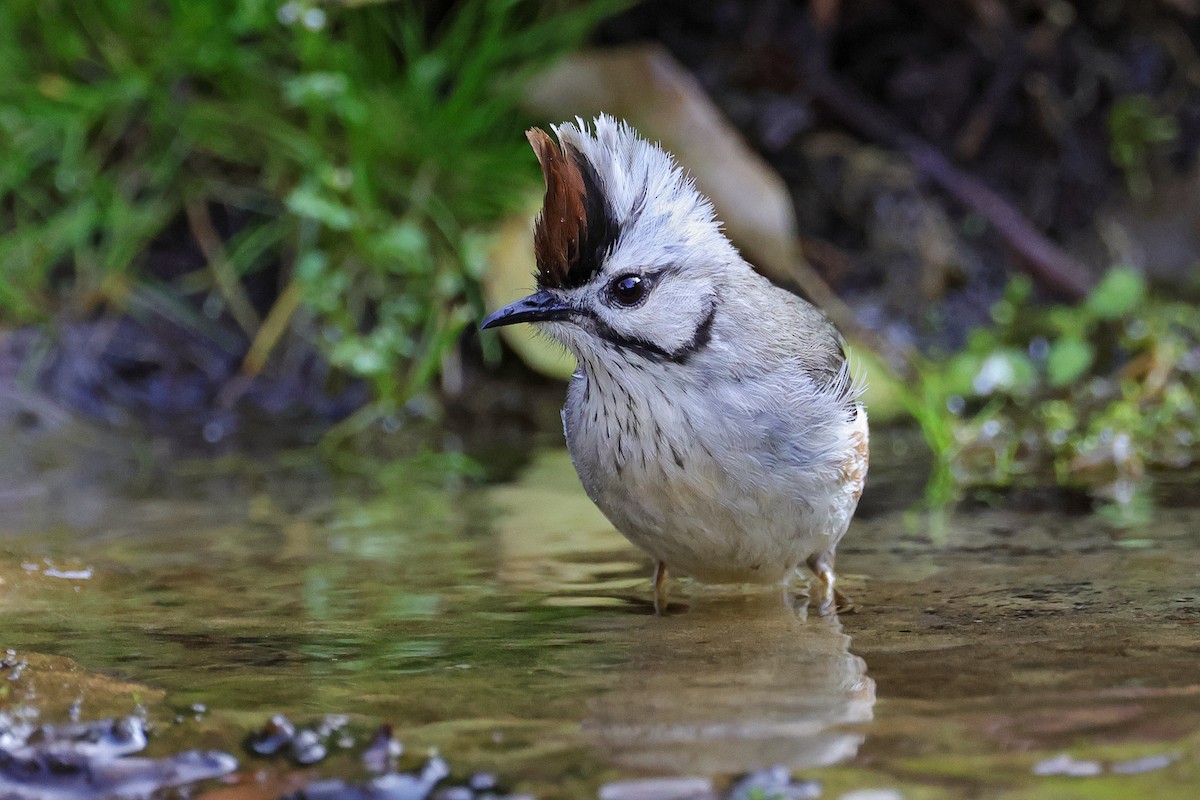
<point>668,319</point>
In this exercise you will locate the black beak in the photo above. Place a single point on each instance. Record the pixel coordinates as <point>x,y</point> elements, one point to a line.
<point>538,307</point>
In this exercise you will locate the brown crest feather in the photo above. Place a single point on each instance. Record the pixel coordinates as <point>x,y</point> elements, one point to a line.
<point>560,224</point>
<point>576,226</point>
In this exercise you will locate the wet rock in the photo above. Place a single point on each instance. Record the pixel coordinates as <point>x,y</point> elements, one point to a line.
<point>454,793</point>
<point>381,754</point>
<point>331,724</point>
<point>480,786</point>
<point>1064,764</point>
<point>482,782</point>
<point>393,786</point>
<point>680,788</point>
<point>304,746</point>
<point>13,665</point>
<point>776,782</point>
<point>307,748</point>
<point>873,794</point>
<point>103,739</point>
<point>1137,766</point>
<point>86,761</point>
<point>277,734</point>
<point>41,686</point>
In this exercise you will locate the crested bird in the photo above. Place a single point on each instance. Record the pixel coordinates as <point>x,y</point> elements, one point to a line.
<point>713,416</point>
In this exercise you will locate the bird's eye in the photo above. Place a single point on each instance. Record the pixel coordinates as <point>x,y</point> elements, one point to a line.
<point>628,290</point>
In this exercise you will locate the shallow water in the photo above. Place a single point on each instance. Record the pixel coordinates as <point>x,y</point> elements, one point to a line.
<point>510,628</point>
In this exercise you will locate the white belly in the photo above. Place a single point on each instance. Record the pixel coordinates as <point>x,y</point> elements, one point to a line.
<point>712,496</point>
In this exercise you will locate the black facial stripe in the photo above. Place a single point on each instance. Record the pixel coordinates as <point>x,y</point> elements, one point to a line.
<point>652,352</point>
<point>600,228</point>
<point>647,350</point>
<point>700,338</point>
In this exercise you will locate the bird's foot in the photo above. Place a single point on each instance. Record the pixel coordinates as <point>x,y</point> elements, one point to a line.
<point>843,604</point>
<point>827,597</point>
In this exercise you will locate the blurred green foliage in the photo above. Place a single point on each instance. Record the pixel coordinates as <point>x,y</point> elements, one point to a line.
<point>1135,130</point>
<point>367,143</point>
<point>1085,396</point>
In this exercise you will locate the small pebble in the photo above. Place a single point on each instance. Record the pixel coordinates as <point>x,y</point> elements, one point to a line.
<point>775,782</point>
<point>381,754</point>
<point>454,793</point>
<point>331,723</point>
<point>1137,766</point>
<point>658,789</point>
<point>1064,764</point>
<point>307,748</point>
<point>92,760</point>
<point>482,781</point>
<point>275,735</point>
<point>873,794</point>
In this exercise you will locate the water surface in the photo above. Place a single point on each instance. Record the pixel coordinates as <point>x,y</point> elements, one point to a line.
<point>510,627</point>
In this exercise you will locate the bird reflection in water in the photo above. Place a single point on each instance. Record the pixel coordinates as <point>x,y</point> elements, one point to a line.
<point>737,683</point>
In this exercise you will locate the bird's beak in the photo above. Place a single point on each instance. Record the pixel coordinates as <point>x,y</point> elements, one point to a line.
<point>538,307</point>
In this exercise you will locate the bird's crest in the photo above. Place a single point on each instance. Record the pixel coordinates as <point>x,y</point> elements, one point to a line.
<point>576,227</point>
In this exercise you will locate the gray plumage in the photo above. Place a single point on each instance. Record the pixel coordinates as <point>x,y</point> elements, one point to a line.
<point>713,417</point>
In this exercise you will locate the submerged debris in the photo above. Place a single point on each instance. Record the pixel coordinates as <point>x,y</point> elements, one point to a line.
<point>278,733</point>
<point>671,788</point>
<point>89,760</point>
<point>307,746</point>
<point>1136,766</point>
<point>1064,764</point>
<point>776,783</point>
<point>13,665</point>
<point>392,786</point>
<point>381,754</point>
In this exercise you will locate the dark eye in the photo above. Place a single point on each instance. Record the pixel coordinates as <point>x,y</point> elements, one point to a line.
<point>628,290</point>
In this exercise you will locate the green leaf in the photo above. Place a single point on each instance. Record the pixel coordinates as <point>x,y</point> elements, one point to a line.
<point>315,87</point>
<point>307,202</point>
<point>1068,360</point>
<point>1007,371</point>
<point>1119,293</point>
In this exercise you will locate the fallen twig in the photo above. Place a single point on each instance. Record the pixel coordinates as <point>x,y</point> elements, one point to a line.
<point>224,276</point>
<point>1051,267</point>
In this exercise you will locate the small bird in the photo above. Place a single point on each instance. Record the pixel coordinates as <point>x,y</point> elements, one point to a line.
<point>713,417</point>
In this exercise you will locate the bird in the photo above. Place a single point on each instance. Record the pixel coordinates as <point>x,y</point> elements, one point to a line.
<point>713,417</point>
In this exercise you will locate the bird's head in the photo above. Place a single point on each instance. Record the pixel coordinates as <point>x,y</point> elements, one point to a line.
<point>630,257</point>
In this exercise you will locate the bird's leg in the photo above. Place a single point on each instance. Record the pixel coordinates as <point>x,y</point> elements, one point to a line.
<point>829,600</point>
<point>660,587</point>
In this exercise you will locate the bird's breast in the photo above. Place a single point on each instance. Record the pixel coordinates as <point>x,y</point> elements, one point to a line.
<point>709,481</point>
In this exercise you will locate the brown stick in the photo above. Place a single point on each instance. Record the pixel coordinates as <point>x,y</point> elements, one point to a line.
<point>978,127</point>
<point>1051,267</point>
<point>226,280</point>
